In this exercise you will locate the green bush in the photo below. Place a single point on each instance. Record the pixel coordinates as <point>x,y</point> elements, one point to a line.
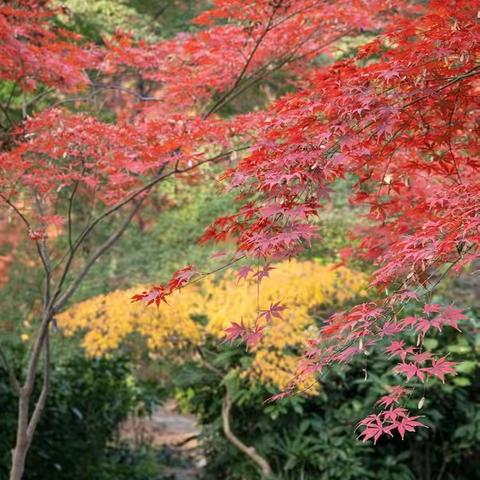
<point>89,399</point>
<point>313,437</point>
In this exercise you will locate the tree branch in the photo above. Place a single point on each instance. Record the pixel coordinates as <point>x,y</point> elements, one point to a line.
<point>27,224</point>
<point>42,400</point>
<point>249,451</point>
<point>10,372</point>
<point>221,100</point>
<point>98,253</point>
<point>148,186</point>
<point>36,351</point>
<point>271,67</point>
<point>69,213</point>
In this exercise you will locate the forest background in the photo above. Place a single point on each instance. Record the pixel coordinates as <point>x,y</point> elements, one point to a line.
<point>101,379</point>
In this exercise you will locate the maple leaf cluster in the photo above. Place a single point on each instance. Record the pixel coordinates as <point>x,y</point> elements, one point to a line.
<point>387,422</point>
<point>170,130</point>
<point>159,293</point>
<point>33,51</point>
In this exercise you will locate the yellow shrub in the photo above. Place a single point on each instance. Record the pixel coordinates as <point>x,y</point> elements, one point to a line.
<point>170,330</point>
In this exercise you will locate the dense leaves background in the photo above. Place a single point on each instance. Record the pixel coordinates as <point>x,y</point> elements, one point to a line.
<point>302,437</point>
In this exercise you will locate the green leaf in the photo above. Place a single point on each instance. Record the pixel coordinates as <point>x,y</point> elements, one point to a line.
<point>462,381</point>
<point>430,343</point>
<point>466,367</point>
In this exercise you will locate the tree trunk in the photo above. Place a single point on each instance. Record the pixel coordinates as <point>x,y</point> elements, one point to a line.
<point>19,453</point>
<point>18,462</point>
<point>26,423</point>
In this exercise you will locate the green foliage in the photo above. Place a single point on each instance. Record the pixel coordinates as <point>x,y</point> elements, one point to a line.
<point>89,399</point>
<point>145,19</point>
<point>160,242</point>
<point>311,437</point>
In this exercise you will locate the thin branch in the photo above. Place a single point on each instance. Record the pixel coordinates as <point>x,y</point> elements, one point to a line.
<point>98,253</point>
<point>471,73</point>
<point>160,11</point>
<point>7,116</point>
<point>216,270</point>
<point>69,213</point>
<point>27,224</point>
<point>141,97</point>
<point>12,93</point>
<point>42,246</point>
<point>37,97</point>
<point>16,210</point>
<point>149,185</point>
<point>207,364</point>
<point>272,66</point>
<point>251,452</point>
<point>11,373</point>
<point>260,39</point>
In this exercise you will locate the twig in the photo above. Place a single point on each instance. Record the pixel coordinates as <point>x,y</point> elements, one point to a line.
<point>11,373</point>
<point>69,213</point>
<point>240,76</point>
<point>98,253</point>
<point>27,224</point>
<point>148,186</point>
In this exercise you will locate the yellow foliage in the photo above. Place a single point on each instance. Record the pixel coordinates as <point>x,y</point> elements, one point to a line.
<point>170,330</point>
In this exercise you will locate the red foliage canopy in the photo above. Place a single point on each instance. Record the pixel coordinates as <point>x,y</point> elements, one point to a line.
<point>401,117</point>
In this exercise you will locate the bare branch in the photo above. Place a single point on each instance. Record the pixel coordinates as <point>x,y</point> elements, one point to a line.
<point>240,76</point>
<point>16,210</point>
<point>43,250</point>
<point>98,253</point>
<point>27,224</point>
<point>128,91</point>
<point>148,186</point>
<point>249,451</point>
<point>69,214</point>
<point>271,67</point>
<point>11,373</point>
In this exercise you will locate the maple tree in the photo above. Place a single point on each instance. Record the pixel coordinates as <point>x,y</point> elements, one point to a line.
<point>402,117</point>
<point>58,150</point>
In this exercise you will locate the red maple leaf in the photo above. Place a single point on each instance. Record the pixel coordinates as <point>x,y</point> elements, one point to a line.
<point>155,295</point>
<point>401,422</point>
<point>263,273</point>
<point>410,370</point>
<point>274,311</point>
<point>394,395</point>
<point>373,428</point>
<point>243,273</point>
<point>235,331</point>
<point>253,336</point>
<point>432,308</point>
<point>440,368</point>
<point>181,277</point>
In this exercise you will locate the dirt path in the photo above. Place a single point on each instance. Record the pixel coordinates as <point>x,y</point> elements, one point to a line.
<point>174,432</point>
